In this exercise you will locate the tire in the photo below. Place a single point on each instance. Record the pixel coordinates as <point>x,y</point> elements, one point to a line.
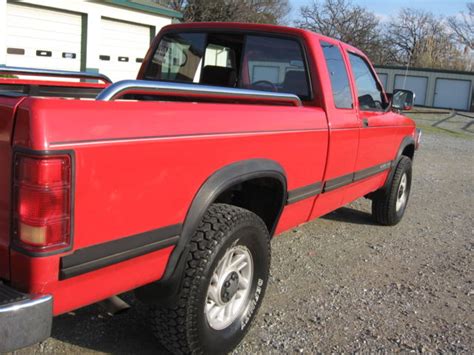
<point>389,205</point>
<point>226,233</point>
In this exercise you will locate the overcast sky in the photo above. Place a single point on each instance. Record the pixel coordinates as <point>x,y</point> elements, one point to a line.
<point>386,8</point>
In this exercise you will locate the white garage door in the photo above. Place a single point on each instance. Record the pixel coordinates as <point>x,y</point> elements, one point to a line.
<point>40,38</point>
<point>417,84</point>
<point>122,49</point>
<point>383,79</point>
<point>450,93</point>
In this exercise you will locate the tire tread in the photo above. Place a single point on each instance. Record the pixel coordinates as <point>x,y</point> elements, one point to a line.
<point>384,202</point>
<point>173,326</point>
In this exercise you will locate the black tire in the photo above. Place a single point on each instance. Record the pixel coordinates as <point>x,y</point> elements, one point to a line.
<point>184,327</point>
<point>384,202</point>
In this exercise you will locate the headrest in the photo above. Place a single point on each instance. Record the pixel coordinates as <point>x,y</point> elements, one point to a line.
<point>219,76</point>
<point>295,83</point>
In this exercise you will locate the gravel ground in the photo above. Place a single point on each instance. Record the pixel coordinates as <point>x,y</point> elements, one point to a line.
<point>343,284</point>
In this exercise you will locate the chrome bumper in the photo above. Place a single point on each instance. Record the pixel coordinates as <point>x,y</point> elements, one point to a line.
<point>24,319</point>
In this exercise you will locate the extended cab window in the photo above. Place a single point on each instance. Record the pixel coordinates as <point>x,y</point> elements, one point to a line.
<point>275,64</point>
<point>341,90</point>
<point>369,93</point>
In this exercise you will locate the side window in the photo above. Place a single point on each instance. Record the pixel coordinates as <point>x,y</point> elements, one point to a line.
<point>339,79</point>
<point>370,96</point>
<point>275,64</point>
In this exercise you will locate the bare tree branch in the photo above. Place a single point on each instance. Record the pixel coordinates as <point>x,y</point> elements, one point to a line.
<point>343,20</point>
<point>257,11</point>
<point>463,27</point>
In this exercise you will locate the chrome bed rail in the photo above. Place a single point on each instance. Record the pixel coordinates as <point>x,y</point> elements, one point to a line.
<point>54,73</point>
<point>145,87</point>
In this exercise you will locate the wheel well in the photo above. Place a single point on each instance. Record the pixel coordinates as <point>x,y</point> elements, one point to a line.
<point>263,196</point>
<point>409,151</point>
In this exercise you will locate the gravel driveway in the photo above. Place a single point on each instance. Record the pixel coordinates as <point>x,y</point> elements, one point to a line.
<point>343,284</point>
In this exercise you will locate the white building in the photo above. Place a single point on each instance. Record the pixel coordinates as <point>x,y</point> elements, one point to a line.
<point>433,87</point>
<point>109,36</point>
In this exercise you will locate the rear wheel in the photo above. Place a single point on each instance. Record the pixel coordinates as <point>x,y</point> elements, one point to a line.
<point>224,282</point>
<point>388,206</point>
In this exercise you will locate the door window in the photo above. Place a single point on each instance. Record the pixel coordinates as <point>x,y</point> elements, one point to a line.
<point>370,95</point>
<point>341,90</point>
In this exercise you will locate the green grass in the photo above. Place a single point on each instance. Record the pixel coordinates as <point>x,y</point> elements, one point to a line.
<point>429,129</point>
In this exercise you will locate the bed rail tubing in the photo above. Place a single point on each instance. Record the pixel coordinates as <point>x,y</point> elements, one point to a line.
<point>144,87</point>
<point>55,73</point>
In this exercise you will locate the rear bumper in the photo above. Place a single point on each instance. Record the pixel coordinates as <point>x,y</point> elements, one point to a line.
<point>24,319</point>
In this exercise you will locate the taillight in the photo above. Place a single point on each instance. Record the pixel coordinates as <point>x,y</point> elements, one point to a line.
<point>42,202</point>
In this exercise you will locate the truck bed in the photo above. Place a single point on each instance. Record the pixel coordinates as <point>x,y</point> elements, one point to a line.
<point>131,154</point>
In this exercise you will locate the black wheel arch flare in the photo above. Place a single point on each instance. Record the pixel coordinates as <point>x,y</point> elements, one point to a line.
<point>406,142</point>
<point>165,290</point>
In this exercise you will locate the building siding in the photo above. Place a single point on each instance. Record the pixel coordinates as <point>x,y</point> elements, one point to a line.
<point>432,77</point>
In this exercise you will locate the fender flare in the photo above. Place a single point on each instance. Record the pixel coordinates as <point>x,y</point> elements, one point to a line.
<point>164,290</point>
<point>408,140</point>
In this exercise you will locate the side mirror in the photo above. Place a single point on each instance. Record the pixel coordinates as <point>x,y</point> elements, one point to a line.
<point>403,99</point>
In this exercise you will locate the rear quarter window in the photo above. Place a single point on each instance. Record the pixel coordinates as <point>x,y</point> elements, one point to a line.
<point>275,64</point>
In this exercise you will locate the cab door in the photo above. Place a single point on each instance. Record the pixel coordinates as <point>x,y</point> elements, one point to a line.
<point>343,127</point>
<point>377,129</point>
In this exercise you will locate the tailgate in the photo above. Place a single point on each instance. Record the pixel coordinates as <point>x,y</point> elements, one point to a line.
<point>8,107</point>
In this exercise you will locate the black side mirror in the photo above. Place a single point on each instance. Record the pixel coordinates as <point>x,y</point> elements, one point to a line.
<point>403,99</point>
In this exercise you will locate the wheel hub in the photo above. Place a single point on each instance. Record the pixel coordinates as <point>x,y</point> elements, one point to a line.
<point>402,195</point>
<point>230,286</point>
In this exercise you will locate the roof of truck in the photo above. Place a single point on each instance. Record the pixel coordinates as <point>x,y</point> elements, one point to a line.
<point>253,27</point>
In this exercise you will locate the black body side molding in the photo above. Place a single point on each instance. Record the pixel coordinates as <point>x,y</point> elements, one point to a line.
<point>105,254</point>
<point>304,192</point>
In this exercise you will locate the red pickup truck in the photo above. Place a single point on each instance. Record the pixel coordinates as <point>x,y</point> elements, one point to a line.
<point>173,184</point>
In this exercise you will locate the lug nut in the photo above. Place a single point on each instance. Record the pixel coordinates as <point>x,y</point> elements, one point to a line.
<point>227,284</point>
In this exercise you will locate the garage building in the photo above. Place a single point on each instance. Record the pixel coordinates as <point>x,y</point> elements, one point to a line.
<point>433,87</point>
<point>109,36</point>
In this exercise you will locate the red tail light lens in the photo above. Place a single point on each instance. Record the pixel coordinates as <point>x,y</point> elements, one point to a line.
<point>42,202</point>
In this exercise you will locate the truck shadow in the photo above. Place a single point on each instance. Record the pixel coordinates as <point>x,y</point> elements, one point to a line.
<point>90,329</point>
<point>350,215</point>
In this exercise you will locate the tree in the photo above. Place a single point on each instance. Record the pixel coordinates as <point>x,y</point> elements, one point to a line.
<point>420,39</point>
<point>463,26</point>
<point>256,11</point>
<point>343,20</point>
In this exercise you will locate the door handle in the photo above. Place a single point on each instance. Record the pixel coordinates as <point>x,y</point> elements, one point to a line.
<point>365,122</point>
